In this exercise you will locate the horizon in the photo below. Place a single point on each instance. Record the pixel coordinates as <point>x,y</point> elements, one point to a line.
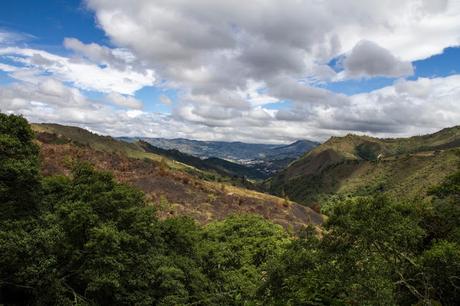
<point>255,143</point>
<point>270,72</point>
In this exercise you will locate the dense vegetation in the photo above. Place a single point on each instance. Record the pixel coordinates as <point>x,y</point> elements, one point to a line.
<point>85,239</point>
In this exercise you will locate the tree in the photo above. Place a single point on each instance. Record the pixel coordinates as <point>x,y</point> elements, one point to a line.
<point>363,258</point>
<point>20,195</point>
<point>19,168</point>
<point>236,253</point>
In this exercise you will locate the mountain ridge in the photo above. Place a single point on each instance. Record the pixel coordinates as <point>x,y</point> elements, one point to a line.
<point>360,164</point>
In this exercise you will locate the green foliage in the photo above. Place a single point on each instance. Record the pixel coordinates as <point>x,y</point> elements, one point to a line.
<point>87,240</point>
<point>354,263</point>
<point>441,265</point>
<point>374,251</point>
<point>449,189</point>
<point>236,254</point>
<point>368,150</point>
<point>19,168</point>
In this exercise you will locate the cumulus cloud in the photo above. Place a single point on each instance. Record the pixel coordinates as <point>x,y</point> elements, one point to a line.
<point>43,91</point>
<point>368,59</point>
<point>407,108</point>
<point>119,58</point>
<point>290,89</point>
<point>93,51</point>
<point>273,36</point>
<point>230,57</point>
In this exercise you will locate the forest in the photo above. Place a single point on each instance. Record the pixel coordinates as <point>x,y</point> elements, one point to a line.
<point>86,239</point>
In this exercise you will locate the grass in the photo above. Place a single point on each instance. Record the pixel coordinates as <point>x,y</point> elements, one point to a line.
<point>350,165</point>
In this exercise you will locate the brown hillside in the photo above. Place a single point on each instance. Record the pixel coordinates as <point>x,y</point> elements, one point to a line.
<point>172,190</point>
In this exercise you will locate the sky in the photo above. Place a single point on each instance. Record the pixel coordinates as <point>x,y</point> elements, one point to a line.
<point>261,71</point>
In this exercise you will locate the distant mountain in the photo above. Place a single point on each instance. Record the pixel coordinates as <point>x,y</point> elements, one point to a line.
<point>292,150</point>
<point>221,166</point>
<point>264,158</point>
<point>401,167</point>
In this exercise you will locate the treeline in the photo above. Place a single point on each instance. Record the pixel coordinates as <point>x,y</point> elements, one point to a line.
<point>85,239</point>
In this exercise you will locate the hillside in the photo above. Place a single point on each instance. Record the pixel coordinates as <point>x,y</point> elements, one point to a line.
<point>175,188</point>
<point>264,159</point>
<point>142,149</point>
<point>402,167</point>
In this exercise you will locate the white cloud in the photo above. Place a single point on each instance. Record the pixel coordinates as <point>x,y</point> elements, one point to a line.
<point>120,59</point>
<point>81,73</point>
<point>44,90</point>
<point>125,101</point>
<point>407,108</point>
<point>227,58</point>
<point>7,68</point>
<point>10,37</point>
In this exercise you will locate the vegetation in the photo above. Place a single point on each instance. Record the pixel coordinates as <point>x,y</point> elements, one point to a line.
<point>85,239</point>
<point>353,165</point>
<point>375,251</point>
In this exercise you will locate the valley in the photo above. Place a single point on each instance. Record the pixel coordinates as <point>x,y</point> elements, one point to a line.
<point>345,166</point>
<point>174,186</point>
<point>263,159</point>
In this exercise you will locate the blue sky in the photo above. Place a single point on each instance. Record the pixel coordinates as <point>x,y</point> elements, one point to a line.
<point>439,65</point>
<point>48,25</point>
<point>180,72</point>
<point>51,21</point>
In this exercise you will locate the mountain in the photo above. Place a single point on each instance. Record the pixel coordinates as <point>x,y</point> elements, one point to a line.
<point>264,158</point>
<point>221,166</point>
<point>174,187</point>
<point>401,167</point>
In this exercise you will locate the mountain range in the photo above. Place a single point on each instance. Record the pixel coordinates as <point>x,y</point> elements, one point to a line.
<point>263,159</point>
<point>352,165</point>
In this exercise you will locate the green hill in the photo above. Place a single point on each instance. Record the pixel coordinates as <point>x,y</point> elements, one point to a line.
<point>402,167</point>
